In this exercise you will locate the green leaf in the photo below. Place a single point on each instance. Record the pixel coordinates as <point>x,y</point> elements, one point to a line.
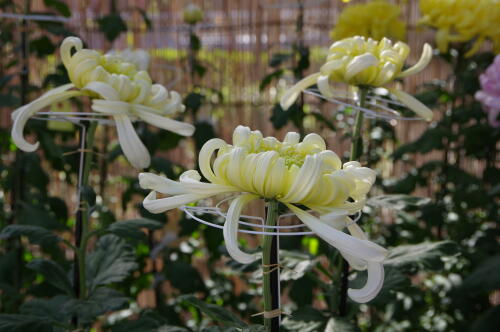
<point>296,264</point>
<point>279,117</point>
<point>278,58</point>
<point>397,202</point>
<point>204,132</point>
<point>54,274</point>
<point>132,228</point>
<point>101,301</point>
<point>184,277</point>
<point>487,322</point>
<point>60,6</point>
<point>217,313</point>
<point>485,278</point>
<point>340,325</point>
<point>424,256</point>
<point>35,216</point>
<point>111,261</point>
<point>88,195</point>
<point>305,319</point>
<point>269,78</point>
<point>42,46</point>
<point>23,323</point>
<point>52,308</point>
<point>36,234</point>
<point>112,26</point>
<point>193,101</point>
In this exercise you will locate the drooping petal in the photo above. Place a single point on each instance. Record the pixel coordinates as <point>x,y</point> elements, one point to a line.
<point>154,205</point>
<point>324,86</point>
<point>291,95</point>
<point>104,90</point>
<point>359,248</point>
<point>231,229</point>
<point>424,60</point>
<point>131,145</point>
<point>181,128</point>
<point>413,104</point>
<point>373,284</point>
<point>22,115</point>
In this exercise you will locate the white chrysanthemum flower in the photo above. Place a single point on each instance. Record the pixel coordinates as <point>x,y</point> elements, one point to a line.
<point>364,62</point>
<point>291,172</point>
<point>117,88</point>
<point>139,57</point>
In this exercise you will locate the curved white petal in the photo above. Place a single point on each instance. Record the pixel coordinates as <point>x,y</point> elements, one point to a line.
<point>291,95</point>
<point>424,60</point>
<point>331,65</point>
<point>154,205</point>
<point>131,145</point>
<point>22,115</point>
<point>373,284</point>
<point>360,63</point>
<point>205,156</point>
<point>324,86</point>
<point>413,104</point>
<point>357,247</point>
<point>160,184</point>
<point>104,90</point>
<point>110,107</point>
<point>231,229</point>
<point>181,128</point>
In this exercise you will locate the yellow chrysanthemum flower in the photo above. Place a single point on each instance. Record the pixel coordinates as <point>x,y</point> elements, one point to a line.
<point>117,88</point>
<point>376,19</point>
<point>463,21</point>
<point>364,62</point>
<point>291,172</point>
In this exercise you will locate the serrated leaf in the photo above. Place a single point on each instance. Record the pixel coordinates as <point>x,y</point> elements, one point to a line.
<point>488,321</point>
<point>485,278</point>
<point>295,264</point>
<point>184,277</point>
<point>424,256</point>
<point>111,261</point>
<point>54,274</point>
<point>23,323</point>
<point>305,319</point>
<point>36,234</point>
<point>340,325</point>
<point>217,313</point>
<point>47,308</point>
<point>397,202</point>
<point>132,228</point>
<point>101,301</point>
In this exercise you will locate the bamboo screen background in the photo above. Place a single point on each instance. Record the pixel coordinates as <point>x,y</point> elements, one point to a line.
<point>238,38</point>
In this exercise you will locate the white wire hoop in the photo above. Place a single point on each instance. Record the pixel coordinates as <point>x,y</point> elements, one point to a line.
<point>192,211</point>
<point>384,112</point>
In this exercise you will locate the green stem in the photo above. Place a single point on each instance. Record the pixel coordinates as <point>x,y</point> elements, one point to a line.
<point>356,152</point>
<point>357,138</point>
<point>82,246</point>
<point>270,268</point>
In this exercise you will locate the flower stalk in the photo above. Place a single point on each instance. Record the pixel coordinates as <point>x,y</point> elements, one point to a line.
<point>356,152</point>
<point>270,269</point>
<point>82,217</point>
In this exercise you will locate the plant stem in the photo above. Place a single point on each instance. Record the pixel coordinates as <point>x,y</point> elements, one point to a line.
<point>270,268</point>
<point>82,218</point>
<point>356,152</point>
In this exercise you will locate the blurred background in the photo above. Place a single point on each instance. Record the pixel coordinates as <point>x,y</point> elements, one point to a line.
<point>434,203</point>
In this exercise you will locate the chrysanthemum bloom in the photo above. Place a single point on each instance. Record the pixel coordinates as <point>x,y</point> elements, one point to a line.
<point>489,95</point>
<point>139,57</point>
<point>116,88</point>
<point>294,173</point>
<point>364,62</point>
<point>376,19</point>
<point>192,14</point>
<point>462,21</point>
